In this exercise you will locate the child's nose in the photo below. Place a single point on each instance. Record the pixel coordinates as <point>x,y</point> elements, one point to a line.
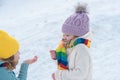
<point>63,37</point>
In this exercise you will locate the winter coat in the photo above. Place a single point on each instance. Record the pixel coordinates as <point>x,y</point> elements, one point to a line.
<point>80,64</point>
<point>6,74</point>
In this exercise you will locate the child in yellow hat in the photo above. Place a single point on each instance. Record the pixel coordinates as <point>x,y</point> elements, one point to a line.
<point>9,57</point>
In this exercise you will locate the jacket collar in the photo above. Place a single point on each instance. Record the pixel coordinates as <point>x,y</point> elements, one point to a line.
<point>1,62</point>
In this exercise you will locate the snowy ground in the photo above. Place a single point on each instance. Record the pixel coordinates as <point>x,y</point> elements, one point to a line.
<point>37,24</point>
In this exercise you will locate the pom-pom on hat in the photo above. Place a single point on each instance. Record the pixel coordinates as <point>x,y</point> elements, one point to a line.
<point>8,45</point>
<point>78,23</point>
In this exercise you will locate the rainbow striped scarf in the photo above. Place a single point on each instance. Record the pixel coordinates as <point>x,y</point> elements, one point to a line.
<point>61,52</point>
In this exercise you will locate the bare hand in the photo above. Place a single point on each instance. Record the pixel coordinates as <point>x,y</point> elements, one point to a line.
<point>53,54</point>
<point>30,61</point>
<point>53,76</point>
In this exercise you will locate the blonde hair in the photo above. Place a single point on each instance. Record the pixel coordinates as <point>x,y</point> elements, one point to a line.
<point>11,64</point>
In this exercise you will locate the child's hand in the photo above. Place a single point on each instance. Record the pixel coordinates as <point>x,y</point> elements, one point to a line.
<point>30,61</point>
<point>53,54</point>
<point>53,76</point>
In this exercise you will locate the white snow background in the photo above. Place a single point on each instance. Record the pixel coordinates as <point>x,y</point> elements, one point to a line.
<point>37,26</point>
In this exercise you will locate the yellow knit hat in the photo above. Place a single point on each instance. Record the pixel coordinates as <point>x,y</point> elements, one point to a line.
<point>8,45</point>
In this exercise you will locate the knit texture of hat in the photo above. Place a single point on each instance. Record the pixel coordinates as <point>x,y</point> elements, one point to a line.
<point>8,45</point>
<point>78,23</point>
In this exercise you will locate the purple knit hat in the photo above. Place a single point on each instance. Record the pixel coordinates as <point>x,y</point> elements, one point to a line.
<point>78,23</point>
